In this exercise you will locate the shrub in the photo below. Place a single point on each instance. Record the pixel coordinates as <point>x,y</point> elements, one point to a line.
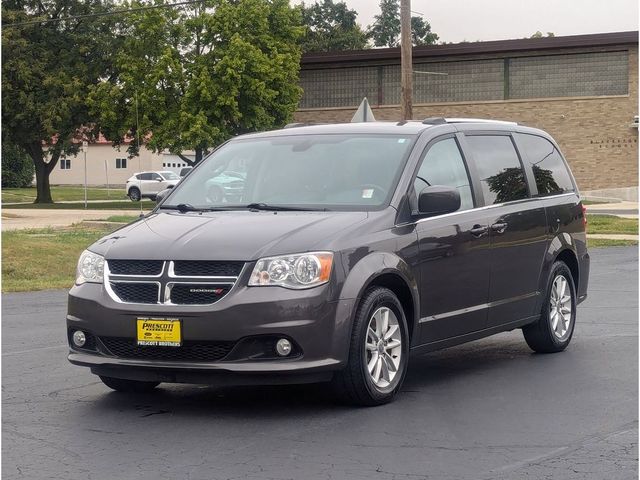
<point>17,167</point>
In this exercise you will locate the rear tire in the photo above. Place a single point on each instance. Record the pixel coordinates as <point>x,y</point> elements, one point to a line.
<point>128,386</point>
<point>134,194</point>
<point>554,329</point>
<point>375,351</point>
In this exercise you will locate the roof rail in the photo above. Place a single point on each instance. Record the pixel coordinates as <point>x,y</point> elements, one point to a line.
<point>442,120</point>
<point>302,124</point>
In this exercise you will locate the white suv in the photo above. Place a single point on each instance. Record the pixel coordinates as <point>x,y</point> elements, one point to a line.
<point>149,184</point>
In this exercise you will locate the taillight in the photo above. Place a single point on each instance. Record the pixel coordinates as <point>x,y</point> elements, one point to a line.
<point>584,215</point>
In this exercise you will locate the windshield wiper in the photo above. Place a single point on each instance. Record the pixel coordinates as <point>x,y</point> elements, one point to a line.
<point>282,208</point>
<point>187,207</point>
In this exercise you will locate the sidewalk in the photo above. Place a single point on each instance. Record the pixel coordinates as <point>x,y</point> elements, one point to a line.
<point>16,219</point>
<point>607,236</point>
<point>620,209</point>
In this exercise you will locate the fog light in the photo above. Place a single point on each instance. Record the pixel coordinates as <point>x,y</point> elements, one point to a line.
<point>283,347</point>
<point>79,338</point>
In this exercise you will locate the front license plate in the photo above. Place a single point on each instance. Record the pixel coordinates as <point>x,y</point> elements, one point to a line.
<point>159,332</point>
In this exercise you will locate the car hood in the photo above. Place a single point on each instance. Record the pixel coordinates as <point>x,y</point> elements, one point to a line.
<point>233,235</point>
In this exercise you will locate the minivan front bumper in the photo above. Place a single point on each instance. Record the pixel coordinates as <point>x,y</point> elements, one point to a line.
<point>318,327</point>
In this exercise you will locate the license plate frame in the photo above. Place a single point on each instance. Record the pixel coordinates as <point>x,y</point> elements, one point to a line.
<point>158,332</point>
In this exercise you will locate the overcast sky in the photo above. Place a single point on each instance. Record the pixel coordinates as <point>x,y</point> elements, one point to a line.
<point>457,20</point>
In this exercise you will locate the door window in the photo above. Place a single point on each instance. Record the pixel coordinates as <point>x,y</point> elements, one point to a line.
<point>443,165</point>
<point>549,170</point>
<point>501,174</point>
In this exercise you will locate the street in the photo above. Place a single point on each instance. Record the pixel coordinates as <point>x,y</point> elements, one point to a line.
<point>490,409</point>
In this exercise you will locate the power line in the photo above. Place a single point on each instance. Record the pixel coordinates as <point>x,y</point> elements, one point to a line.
<point>101,14</point>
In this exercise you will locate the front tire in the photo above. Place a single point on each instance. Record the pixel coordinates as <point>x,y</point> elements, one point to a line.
<point>134,194</point>
<point>128,386</point>
<point>378,353</point>
<point>553,331</point>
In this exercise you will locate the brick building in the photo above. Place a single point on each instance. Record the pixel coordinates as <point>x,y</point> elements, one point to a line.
<point>582,89</point>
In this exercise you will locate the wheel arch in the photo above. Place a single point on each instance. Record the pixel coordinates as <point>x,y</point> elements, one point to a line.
<point>389,271</point>
<point>569,257</point>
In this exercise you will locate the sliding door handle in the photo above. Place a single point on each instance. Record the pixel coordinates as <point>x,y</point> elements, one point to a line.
<point>499,227</point>
<point>479,230</point>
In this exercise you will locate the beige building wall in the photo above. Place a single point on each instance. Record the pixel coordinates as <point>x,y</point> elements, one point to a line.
<point>594,133</point>
<point>99,157</point>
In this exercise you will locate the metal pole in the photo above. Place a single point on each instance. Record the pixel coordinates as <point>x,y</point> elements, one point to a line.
<point>406,62</point>
<point>106,174</point>
<point>85,178</point>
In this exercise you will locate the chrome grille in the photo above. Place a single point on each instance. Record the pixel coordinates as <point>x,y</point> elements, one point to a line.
<point>136,267</point>
<point>195,268</point>
<point>196,294</point>
<point>137,292</point>
<point>181,282</point>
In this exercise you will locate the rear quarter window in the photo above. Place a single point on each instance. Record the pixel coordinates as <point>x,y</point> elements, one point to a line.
<point>549,169</point>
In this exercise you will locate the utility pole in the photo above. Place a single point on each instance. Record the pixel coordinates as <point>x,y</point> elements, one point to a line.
<point>406,61</point>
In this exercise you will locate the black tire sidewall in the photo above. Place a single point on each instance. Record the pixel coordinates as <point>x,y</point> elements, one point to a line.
<point>381,297</point>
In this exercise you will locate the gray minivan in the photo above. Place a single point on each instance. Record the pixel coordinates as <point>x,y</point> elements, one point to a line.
<point>350,247</point>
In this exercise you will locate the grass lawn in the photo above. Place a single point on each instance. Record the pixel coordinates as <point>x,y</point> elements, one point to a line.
<point>45,258</point>
<point>599,243</point>
<point>59,194</point>
<point>611,224</point>
<point>122,218</point>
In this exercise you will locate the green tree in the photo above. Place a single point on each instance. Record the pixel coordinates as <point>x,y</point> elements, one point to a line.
<point>331,26</point>
<point>194,76</point>
<point>539,34</point>
<point>421,33</point>
<point>385,31</point>
<point>47,69</point>
<point>17,167</point>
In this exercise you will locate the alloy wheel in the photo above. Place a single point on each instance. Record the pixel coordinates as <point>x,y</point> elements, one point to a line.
<point>383,347</point>
<point>560,307</point>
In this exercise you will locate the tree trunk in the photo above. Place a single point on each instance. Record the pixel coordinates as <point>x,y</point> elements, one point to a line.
<point>43,170</point>
<point>200,152</point>
<point>186,160</point>
<point>42,184</point>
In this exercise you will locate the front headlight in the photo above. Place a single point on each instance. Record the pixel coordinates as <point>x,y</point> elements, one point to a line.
<point>90,268</point>
<point>303,270</point>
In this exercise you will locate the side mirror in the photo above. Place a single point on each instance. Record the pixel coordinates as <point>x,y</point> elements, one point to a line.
<point>438,200</point>
<point>161,195</point>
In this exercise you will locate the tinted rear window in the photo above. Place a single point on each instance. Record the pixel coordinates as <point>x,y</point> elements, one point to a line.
<point>549,169</point>
<point>501,173</point>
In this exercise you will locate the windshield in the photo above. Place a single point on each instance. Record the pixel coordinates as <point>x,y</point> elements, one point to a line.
<point>315,171</point>
<point>170,176</point>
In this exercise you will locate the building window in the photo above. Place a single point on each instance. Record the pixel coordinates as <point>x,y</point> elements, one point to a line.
<point>65,164</point>
<point>121,163</point>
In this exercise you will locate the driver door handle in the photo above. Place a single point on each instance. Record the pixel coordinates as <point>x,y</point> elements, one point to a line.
<point>499,227</point>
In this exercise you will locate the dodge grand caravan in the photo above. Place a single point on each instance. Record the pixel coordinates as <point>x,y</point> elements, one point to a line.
<point>350,247</point>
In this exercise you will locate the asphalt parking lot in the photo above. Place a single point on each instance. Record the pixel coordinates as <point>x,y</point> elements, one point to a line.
<point>486,410</point>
